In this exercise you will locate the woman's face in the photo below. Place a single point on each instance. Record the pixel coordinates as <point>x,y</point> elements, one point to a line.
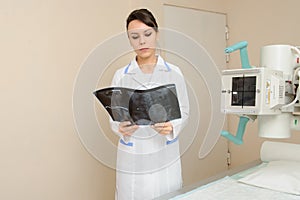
<point>142,38</point>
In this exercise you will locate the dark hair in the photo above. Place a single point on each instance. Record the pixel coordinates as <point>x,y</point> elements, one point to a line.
<point>144,16</point>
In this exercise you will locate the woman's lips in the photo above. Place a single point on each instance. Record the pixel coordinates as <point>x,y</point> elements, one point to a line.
<point>143,49</point>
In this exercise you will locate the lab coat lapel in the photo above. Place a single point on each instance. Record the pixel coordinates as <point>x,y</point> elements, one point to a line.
<point>159,74</point>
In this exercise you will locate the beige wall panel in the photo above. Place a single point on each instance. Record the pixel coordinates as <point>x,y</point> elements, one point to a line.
<point>43,44</point>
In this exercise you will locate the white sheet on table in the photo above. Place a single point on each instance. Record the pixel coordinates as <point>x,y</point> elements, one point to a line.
<point>229,189</point>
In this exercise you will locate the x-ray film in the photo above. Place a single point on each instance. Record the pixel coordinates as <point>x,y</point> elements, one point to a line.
<point>141,107</point>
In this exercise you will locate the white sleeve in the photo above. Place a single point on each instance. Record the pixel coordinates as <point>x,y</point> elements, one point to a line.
<point>182,95</point>
<point>113,124</point>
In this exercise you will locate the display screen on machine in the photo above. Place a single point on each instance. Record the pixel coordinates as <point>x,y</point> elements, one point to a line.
<point>243,91</point>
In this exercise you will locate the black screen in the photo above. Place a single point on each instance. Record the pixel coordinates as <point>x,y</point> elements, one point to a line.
<point>243,91</point>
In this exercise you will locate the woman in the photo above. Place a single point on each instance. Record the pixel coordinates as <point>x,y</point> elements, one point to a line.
<point>148,163</point>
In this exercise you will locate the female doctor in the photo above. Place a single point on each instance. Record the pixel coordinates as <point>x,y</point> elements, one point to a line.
<point>148,159</point>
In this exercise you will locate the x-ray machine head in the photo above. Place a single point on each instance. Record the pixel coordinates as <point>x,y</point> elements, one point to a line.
<point>268,93</point>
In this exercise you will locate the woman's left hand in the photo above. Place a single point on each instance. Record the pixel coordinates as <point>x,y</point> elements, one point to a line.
<point>164,128</point>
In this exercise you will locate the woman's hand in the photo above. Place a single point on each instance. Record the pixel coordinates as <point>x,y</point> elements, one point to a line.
<point>164,128</point>
<point>127,128</point>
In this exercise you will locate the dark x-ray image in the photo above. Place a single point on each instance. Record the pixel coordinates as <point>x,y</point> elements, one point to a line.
<point>141,107</point>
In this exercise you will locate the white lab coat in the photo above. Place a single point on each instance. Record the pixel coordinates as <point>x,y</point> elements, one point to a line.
<point>148,164</point>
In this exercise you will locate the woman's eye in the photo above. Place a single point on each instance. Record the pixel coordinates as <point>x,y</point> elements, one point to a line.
<point>148,34</point>
<point>134,37</point>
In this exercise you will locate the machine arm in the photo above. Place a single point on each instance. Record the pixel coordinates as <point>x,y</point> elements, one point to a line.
<point>242,46</point>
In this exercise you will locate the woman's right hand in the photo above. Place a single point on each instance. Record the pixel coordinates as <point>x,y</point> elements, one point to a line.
<point>127,128</point>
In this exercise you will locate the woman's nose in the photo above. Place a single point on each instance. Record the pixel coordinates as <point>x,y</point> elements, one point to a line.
<point>142,40</point>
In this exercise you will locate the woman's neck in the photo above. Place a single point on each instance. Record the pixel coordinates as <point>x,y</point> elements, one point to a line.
<point>147,65</point>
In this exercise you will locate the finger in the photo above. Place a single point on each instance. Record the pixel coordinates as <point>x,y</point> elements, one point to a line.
<point>126,129</point>
<point>163,124</point>
<point>163,128</point>
<point>164,132</point>
<point>159,125</point>
<point>125,123</point>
